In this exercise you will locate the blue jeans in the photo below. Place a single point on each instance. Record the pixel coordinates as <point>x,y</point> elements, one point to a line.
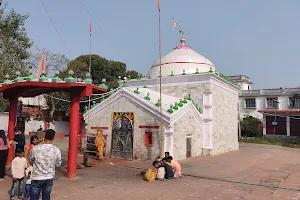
<point>18,182</point>
<point>27,190</point>
<point>38,186</point>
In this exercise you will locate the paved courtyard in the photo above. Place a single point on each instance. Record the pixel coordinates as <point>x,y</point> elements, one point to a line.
<point>254,172</point>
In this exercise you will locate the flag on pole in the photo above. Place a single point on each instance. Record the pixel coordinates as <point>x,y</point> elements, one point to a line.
<point>158,5</point>
<point>42,65</point>
<point>91,28</point>
<point>174,23</point>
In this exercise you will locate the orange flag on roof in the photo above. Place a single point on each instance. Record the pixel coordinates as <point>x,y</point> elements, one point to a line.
<point>42,65</point>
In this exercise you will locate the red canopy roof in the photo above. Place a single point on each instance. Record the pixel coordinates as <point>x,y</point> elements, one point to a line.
<point>34,88</point>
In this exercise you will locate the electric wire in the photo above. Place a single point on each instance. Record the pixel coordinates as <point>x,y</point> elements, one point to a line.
<point>55,28</point>
<point>92,17</point>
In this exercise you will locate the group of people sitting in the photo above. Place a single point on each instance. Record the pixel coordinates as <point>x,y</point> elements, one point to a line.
<point>167,168</point>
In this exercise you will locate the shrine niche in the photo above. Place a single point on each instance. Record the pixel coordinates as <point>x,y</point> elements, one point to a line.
<point>122,135</point>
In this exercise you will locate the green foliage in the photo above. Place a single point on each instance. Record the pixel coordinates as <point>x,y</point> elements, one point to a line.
<point>270,141</point>
<point>250,127</point>
<point>14,43</point>
<point>14,46</point>
<point>101,68</point>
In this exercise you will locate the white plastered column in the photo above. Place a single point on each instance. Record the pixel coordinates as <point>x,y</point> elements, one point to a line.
<point>169,140</point>
<point>288,125</point>
<point>264,125</point>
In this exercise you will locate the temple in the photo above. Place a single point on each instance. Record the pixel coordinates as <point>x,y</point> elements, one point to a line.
<point>199,110</point>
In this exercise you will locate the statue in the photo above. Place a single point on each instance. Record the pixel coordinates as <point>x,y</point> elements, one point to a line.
<point>99,142</point>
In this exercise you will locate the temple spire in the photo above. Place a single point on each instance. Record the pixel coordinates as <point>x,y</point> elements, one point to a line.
<point>182,40</point>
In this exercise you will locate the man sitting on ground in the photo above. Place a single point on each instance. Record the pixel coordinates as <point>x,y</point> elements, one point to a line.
<point>176,167</point>
<point>168,169</point>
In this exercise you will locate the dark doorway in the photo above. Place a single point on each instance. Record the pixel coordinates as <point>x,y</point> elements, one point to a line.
<point>122,138</point>
<point>188,147</point>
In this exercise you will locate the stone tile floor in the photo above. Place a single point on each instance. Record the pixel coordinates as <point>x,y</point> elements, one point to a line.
<point>253,172</point>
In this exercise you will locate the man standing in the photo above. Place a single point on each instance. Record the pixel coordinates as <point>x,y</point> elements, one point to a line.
<point>44,158</point>
<point>19,139</point>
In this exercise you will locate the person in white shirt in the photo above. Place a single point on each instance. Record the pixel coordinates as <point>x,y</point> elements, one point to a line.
<point>28,181</point>
<point>18,166</point>
<point>44,158</point>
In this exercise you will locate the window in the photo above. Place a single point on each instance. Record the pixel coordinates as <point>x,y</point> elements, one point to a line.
<point>295,101</point>
<point>250,103</point>
<point>272,103</point>
<point>148,139</point>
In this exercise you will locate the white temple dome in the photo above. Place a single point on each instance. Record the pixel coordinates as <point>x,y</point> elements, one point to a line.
<point>181,59</point>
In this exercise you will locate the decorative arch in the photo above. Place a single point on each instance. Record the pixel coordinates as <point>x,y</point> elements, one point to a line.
<point>122,136</point>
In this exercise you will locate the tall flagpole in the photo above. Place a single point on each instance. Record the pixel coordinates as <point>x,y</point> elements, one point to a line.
<point>90,66</point>
<point>160,87</point>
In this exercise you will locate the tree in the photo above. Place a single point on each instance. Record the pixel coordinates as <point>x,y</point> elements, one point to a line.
<point>54,62</point>
<point>251,127</point>
<point>14,43</point>
<point>101,68</point>
<point>14,46</point>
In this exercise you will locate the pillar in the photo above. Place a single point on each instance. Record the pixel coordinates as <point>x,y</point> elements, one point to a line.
<point>13,104</point>
<point>288,125</point>
<point>73,135</point>
<point>168,141</point>
<point>264,125</point>
<point>80,132</point>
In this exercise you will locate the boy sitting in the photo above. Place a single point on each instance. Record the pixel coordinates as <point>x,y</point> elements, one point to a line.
<point>176,167</point>
<point>168,169</point>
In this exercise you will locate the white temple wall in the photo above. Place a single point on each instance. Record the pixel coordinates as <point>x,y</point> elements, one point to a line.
<point>142,117</point>
<point>225,120</point>
<point>183,90</point>
<point>4,116</point>
<point>187,127</point>
<point>58,126</point>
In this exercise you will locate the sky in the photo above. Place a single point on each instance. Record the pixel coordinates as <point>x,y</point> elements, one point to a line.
<point>259,39</point>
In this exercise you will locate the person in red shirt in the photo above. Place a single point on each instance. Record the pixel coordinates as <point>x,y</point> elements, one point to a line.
<point>34,140</point>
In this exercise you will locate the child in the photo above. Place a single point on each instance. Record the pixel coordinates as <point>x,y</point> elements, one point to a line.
<point>160,171</point>
<point>18,167</point>
<point>28,182</point>
<point>168,169</point>
<point>176,167</point>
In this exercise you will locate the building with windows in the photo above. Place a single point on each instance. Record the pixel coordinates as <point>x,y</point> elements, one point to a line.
<point>278,108</point>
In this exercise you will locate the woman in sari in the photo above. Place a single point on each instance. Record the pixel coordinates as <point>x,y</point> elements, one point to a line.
<point>99,142</point>
<point>33,142</point>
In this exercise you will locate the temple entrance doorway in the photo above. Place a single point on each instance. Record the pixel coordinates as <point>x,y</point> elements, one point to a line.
<point>122,136</point>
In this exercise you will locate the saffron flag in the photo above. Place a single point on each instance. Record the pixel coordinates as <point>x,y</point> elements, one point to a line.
<point>174,23</point>
<point>42,65</point>
<point>90,27</point>
<point>158,5</point>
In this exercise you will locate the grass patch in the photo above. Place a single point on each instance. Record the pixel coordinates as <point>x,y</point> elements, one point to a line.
<point>269,141</point>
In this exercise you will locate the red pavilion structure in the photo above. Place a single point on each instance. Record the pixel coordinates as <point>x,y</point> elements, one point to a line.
<point>31,87</point>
